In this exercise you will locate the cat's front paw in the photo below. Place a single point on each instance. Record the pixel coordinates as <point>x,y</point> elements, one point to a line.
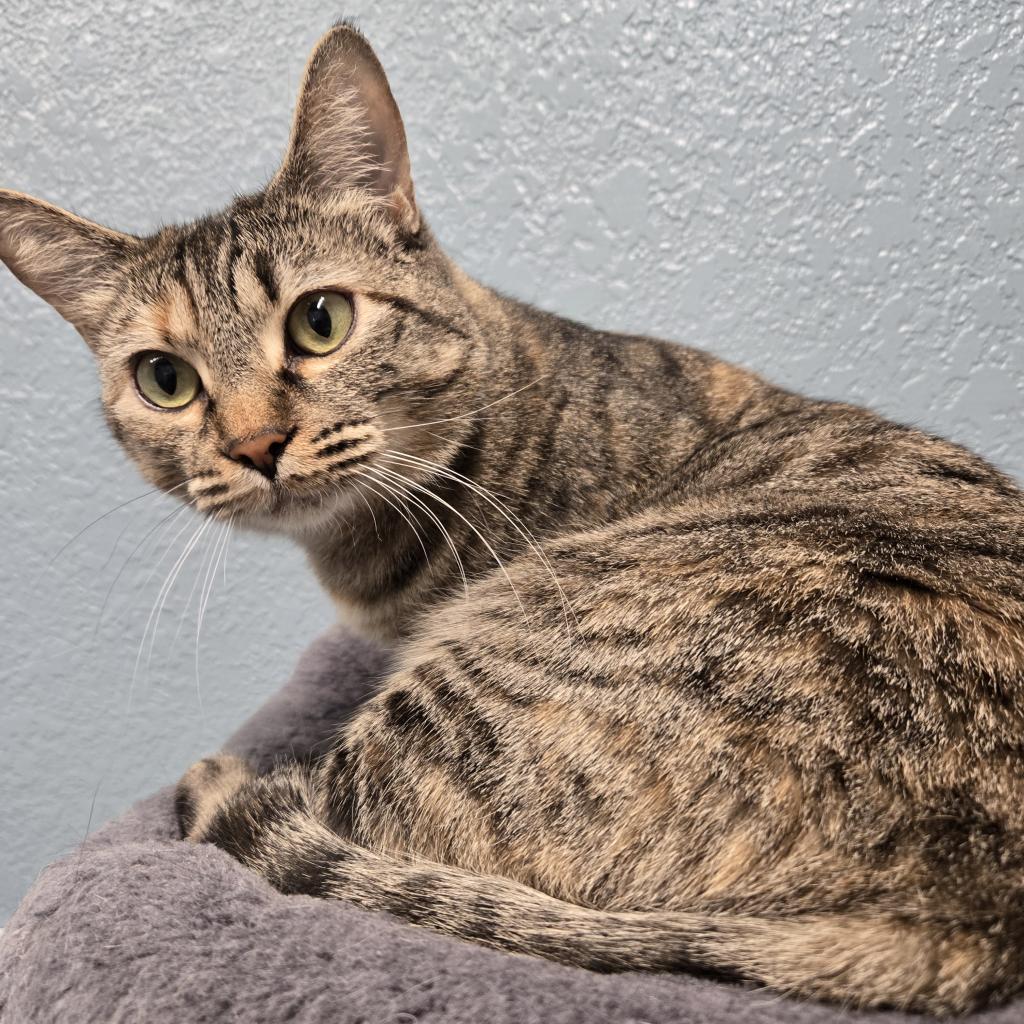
<point>204,789</point>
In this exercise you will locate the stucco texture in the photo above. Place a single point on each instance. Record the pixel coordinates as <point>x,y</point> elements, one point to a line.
<point>829,192</point>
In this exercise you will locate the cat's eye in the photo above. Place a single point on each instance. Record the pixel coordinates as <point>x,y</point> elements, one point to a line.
<point>319,322</point>
<point>165,380</point>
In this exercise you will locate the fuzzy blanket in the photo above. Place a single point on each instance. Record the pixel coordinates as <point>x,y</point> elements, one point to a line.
<point>137,926</point>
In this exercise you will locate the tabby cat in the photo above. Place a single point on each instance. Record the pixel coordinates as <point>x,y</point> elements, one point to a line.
<point>691,673</point>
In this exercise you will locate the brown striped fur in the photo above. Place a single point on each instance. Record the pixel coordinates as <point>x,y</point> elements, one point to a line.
<point>745,693</point>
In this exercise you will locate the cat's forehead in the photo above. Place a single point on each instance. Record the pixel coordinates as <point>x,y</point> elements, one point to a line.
<point>209,283</point>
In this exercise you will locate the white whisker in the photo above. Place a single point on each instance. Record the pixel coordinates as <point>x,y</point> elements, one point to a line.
<point>448,440</point>
<point>168,548</point>
<point>376,528</point>
<point>200,572</point>
<point>116,545</point>
<point>404,493</point>
<point>385,498</point>
<point>161,598</point>
<point>204,597</point>
<point>110,512</point>
<point>414,461</point>
<point>224,564</point>
<point>169,584</point>
<point>163,522</point>
<point>494,554</point>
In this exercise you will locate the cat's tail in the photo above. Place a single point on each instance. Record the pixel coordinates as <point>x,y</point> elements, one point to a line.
<point>856,958</point>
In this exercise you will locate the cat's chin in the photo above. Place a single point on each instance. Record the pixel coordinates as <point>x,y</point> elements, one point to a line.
<point>297,514</point>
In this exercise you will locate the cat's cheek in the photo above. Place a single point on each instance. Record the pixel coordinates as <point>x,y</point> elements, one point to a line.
<point>154,439</point>
<point>135,413</point>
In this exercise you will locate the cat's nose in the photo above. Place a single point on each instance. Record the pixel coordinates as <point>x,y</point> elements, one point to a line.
<point>260,452</point>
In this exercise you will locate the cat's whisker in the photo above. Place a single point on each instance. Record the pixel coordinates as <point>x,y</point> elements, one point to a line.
<point>466,415</point>
<point>168,586</point>
<point>117,543</point>
<point>202,574</point>
<point>376,528</point>
<point>188,601</point>
<point>205,563</point>
<point>168,548</point>
<point>161,524</point>
<point>403,492</point>
<point>74,648</point>
<point>161,598</point>
<point>514,520</point>
<point>196,584</point>
<point>204,597</point>
<point>224,564</point>
<point>438,469</point>
<point>385,498</point>
<point>487,544</point>
<point>493,500</point>
<point>331,471</point>
<point>110,512</point>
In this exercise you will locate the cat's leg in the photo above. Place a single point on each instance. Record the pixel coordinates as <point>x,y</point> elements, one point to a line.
<point>206,787</point>
<point>260,820</point>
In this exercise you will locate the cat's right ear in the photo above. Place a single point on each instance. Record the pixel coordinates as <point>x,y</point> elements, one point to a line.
<point>347,132</point>
<point>70,262</point>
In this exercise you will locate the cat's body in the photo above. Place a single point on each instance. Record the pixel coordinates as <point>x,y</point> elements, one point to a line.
<point>692,673</point>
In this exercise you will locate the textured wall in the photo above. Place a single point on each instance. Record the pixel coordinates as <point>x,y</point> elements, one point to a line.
<point>828,191</point>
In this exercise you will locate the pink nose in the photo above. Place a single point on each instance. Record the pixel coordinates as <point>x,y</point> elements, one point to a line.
<point>260,452</point>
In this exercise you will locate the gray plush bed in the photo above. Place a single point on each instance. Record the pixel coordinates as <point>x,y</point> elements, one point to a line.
<point>137,926</point>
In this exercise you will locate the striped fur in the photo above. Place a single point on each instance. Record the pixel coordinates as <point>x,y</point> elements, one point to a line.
<point>692,673</point>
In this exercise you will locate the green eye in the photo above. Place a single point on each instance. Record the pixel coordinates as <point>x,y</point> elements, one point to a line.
<point>165,380</point>
<point>320,322</point>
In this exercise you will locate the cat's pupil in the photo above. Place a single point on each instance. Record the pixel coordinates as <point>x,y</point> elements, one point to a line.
<point>165,375</point>
<point>318,317</point>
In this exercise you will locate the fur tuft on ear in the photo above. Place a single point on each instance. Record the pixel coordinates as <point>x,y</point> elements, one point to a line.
<point>347,132</point>
<point>70,262</point>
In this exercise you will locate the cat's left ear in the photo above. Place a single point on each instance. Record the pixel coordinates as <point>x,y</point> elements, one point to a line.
<point>70,262</point>
<point>347,131</point>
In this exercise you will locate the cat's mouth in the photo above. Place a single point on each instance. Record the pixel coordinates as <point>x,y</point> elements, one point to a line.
<point>294,480</point>
<point>298,497</point>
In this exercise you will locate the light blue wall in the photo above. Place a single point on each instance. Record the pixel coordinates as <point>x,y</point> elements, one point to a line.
<point>828,191</point>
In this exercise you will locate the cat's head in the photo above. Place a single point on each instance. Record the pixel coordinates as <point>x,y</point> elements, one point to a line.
<point>259,360</point>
